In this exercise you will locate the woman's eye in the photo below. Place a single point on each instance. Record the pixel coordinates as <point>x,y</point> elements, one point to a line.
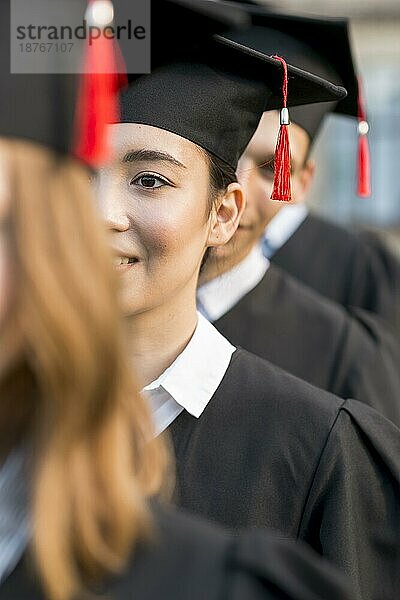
<point>149,181</point>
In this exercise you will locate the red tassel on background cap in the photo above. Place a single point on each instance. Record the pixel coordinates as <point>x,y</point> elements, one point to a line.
<point>103,75</point>
<point>363,159</point>
<point>282,189</point>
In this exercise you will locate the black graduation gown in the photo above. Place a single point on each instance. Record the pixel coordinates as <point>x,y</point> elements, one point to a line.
<point>342,266</point>
<point>349,353</point>
<point>190,560</point>
<point>391,266</point>
<point>271,450</point>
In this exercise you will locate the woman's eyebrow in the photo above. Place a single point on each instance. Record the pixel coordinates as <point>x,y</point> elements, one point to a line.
<point>151,155</point>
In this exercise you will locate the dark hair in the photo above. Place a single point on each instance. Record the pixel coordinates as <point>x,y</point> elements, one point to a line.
<point>221,175</point>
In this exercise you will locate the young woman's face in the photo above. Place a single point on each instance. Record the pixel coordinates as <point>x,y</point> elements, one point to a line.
<point>5,270</point>
<point>154,198</point>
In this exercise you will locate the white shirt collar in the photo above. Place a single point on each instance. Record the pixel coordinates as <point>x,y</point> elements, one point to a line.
<point>216,297</point>
<point>283,226</point>
<point>195,375</point>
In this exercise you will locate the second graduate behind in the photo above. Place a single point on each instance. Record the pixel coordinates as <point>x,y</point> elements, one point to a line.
<point>331,260</point>
<point>254,445</point>
<point>261,307</point>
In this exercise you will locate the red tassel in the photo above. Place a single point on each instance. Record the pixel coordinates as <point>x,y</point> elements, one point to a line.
<point>282,186</point>
<point>363,159</point>
<point>97,103</point>
<point>364,168</point>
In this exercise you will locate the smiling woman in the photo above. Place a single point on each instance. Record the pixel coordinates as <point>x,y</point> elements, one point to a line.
<point>155,200</point>
<point>254,446</point>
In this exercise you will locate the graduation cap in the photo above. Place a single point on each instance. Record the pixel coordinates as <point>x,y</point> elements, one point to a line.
<point>321,46</point>
<point>213,91</point>
<point>65,112</point>
<point>39,108</point>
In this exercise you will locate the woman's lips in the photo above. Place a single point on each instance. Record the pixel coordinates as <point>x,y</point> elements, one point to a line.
<point>122,263</point>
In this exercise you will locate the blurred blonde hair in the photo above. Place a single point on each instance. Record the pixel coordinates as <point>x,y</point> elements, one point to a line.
<point>95,459</point>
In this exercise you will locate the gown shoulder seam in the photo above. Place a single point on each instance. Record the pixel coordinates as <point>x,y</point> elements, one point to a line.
<point>321,454</point>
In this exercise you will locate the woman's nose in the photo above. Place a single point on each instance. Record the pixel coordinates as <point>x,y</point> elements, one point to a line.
<point>112,209</point>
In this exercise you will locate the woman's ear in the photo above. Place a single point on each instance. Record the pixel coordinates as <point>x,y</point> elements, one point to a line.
<point>226,215</point>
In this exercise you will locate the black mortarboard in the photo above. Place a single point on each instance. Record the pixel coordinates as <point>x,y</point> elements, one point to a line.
<point>321,46</point>
<point>212,92</point>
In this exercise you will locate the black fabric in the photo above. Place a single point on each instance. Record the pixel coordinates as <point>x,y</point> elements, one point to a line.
<point>321,46</point>
<point>190,560</point>
<point>179,24</point>
<point>343,267</point>
<point>39,108</point>
<point>390,264</point>
<point>188,21</point>
<point>329,40</point>
<point>271,450</point>
<point>351,354</point>
<point>212,92</point>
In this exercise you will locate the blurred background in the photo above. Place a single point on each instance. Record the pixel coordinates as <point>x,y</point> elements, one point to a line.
<point>375,34</point>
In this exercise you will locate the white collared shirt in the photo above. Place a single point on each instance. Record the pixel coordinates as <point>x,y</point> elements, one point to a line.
<point>282,227</point>
<point>14,526</point>
<point>192,379</point>
<point>216,297</point>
